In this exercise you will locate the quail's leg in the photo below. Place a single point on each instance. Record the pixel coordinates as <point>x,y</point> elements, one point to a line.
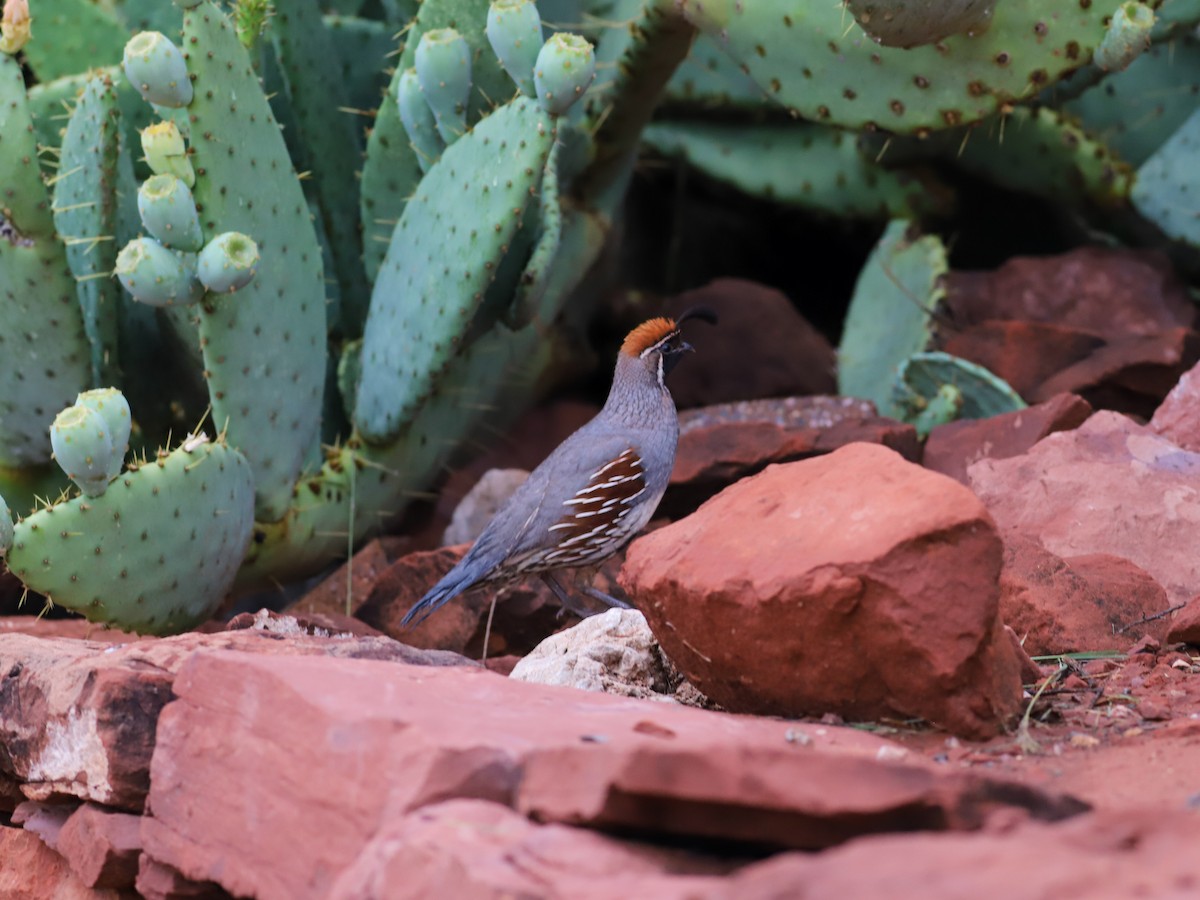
<point>568,602</point>
<point>598,594</point>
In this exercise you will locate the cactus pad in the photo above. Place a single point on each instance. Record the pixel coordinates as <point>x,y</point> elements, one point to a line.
<point>935,388</point>
<point>514,29</point>
<point>156,553</point>
<point>84,448</point>
<point>443,66</point>
<point>892,312</point>
<point>565,67</point>
<point>802,54</point>
<point>111,406</point>
<point>442,259</point>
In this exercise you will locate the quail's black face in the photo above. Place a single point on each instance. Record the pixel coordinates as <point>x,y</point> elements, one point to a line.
<point>672,351</point>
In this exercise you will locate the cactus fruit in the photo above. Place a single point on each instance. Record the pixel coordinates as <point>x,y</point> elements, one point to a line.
<point>169,213</point>
<point>418,120</point>
<point>156,553</point>
<point>1127,37</point>
<point>155,275</point>
<point>891,313</point>
<point>166,153</point>
<point>155,66</point>
<point>911,23</point>
<point>514,29</point>
<point>565,67</point>
<point>112,406</point>
<point>443,65</point>
<point>227,262</point>
<point>83,448</point>
<point>932,389</point>
<point>14,26</point>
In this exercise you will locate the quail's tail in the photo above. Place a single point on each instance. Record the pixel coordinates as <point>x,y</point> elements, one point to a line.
<point>452,584</point>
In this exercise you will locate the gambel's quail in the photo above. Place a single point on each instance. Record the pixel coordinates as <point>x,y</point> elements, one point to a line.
<point>595,491</point>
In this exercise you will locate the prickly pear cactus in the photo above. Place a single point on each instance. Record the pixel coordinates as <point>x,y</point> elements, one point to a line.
<point>46,359</point>
<point>156,553</point>
<point>1166,178</point>
<point>85,214</point>
<point>932,389</point>
<point>264,347</point>
<point>892,312</point>
<point>802,54</point>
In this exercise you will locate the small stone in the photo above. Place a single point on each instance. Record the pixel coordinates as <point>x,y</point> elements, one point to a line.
<point>481,504</point>
<point>1185,626</point>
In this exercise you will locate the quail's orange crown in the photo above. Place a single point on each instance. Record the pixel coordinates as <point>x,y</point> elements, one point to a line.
<point>647,335</point>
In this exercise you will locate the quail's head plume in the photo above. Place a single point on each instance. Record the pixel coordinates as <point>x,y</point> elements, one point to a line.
<point>595,491</point>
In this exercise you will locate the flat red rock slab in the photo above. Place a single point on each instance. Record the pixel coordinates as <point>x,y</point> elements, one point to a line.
<point>270,773</point>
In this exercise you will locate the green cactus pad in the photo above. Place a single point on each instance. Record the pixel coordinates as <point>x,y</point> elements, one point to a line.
<point>442,259</point>
<point>331,136</point>
<point>1167,181</point>
<point>85,214</point>
<point>71,35</point>
<point>155,275</point>
<point>364,48</point>
<point>166,153</point>
<point>155,554</point>
<point>565,68</point>
<point>84,448</point>
<point>155,67</point>
<point>911,23</point>
<point>111,405</point>
<point>443,66</point>
<point>802,54</point>
<point>710,79</point>
<point>227,263</point>
<point>1036,150</point>
<point>45,351</point>
<point>6,528</point>
<point>935,388</point>
<point>264,347</point>
<point>892,312</point>
<point>514,29</point>
<point>1134,112</point>
<point>1128,36</point>
<point>390,171</point>
<point>801,164</point>
<point>168,211</point>
<point>418,120</point>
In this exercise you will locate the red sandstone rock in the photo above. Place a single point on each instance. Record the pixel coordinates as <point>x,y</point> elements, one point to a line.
<point>1095,602</point>
<point>79,628</point>
<point>329,597</point>
<point>271,773</point>
<point>102,847</point>
<point>77,718</point>
<point>1178,418</point>
<point>950,448</point>
<point>470,848</point>
<point>527,612</point>
<point>1111,486</point>
<point>1099,290</point>
<point>758,322</point>
<point>158,882</point>
<point>1025,354</point>
<point>1185,627</point>
<point>855,583</point>
<point>29,870</point>
<point>720,444</point>
<point>1143,853</point>
<point>397,589</point>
